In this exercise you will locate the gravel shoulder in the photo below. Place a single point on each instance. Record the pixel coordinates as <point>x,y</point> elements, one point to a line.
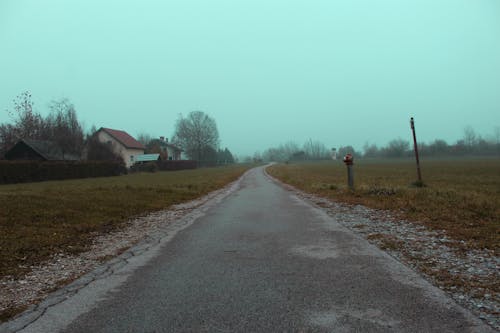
<point>461,274</point>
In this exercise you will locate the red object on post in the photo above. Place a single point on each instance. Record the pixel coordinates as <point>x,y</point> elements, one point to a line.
<point>348,159</point>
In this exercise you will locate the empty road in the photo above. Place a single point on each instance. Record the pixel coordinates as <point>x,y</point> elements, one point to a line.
<point>261,260</point>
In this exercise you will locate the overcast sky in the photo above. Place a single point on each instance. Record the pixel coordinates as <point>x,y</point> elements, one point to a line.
<point>344,72</point>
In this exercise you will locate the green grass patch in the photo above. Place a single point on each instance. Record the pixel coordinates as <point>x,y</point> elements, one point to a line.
<point>461,197</point>
<point>38,220</point>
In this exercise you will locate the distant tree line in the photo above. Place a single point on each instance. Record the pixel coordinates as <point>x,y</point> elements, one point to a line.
<point>471,144</point>
<point>291,151</point>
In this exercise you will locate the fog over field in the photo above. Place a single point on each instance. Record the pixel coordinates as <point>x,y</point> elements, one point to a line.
<point>341,72</point>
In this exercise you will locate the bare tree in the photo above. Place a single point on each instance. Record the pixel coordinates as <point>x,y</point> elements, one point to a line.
<point>496,135</point>
<point>496,140</point>
<point>470,137</point>
<point>257,157</point>
<point>396,148</point>
<point>283,152</point>
<point>273,154</point>
<point>64,128</point>
<point>197,134</point>
<point>144,138</point>
<point>316,150</point>
<point>370,150</point>
<point>27,124</point>
<point>288,150</point>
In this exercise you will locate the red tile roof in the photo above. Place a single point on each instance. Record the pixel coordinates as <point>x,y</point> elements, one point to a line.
<point>124,138</point>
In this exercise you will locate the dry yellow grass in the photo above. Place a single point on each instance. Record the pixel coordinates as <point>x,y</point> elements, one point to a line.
<point>40,219</point>
<point>461,197</point>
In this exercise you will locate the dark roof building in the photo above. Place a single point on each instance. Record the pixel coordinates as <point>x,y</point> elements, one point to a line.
<point>124,138</point>
<point>38,150</point>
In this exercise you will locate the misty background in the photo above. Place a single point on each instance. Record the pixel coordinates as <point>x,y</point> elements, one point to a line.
<point>338,72</point>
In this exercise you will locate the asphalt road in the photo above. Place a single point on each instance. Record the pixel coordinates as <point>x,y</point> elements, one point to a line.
<point>262,260</point>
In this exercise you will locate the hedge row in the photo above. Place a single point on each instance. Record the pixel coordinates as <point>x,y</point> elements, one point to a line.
<point>164,166</point>
<point>145,167</point>
<point>177,165</point>
<point>12,172</point>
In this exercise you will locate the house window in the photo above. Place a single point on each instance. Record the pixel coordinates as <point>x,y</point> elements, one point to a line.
<point>131,158</point>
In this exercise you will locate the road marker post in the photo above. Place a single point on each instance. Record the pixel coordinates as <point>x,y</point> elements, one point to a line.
<point>349,161</point>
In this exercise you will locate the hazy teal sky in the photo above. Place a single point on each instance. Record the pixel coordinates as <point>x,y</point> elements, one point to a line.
<point>338,71</point>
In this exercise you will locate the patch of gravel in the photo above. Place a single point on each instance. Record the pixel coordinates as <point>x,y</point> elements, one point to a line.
<point>439,259</point>
<point>61,269</point>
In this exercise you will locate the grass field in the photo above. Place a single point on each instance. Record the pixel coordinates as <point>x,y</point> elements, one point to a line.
<point>40,219</point>
<point>461,197</point>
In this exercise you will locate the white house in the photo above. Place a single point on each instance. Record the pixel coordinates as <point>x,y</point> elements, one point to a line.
<point>122,144</point>
<point>172,152</point>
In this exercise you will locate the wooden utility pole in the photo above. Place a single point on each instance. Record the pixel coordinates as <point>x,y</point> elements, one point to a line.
<point>412,122</point>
